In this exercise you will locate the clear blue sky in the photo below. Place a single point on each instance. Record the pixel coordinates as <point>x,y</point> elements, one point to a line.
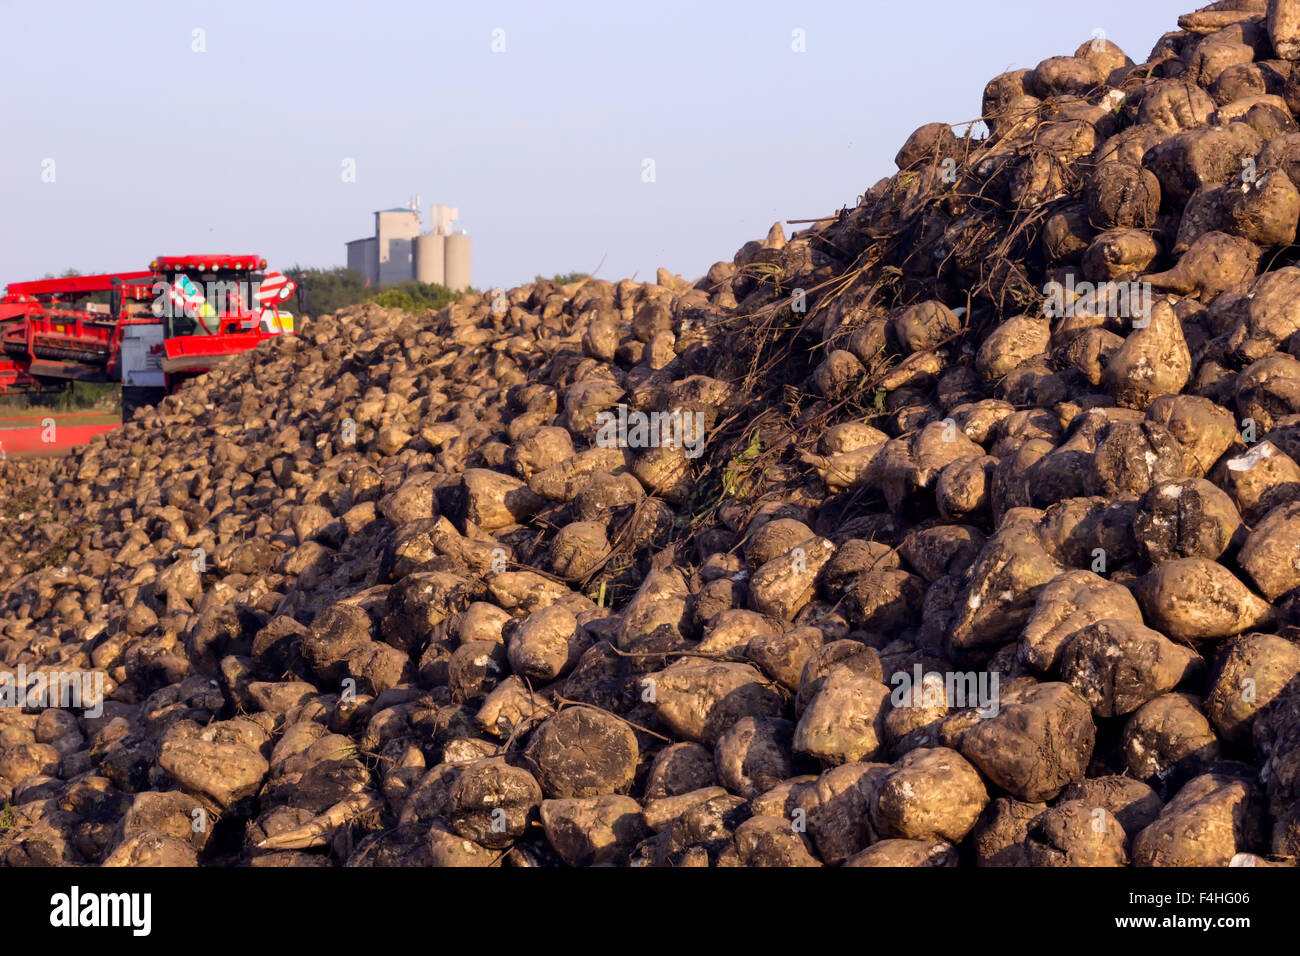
<point>160,149</point>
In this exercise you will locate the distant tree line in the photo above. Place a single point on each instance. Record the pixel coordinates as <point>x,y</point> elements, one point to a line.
<point>329,290</point>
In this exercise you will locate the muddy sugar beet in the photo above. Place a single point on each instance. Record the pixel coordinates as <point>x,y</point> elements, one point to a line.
<point>623,573</point>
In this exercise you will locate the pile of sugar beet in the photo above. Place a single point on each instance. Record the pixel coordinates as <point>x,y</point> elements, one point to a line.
<point>379,594</point>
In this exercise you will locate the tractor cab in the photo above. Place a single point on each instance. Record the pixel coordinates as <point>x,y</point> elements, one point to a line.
<point>213,306</point>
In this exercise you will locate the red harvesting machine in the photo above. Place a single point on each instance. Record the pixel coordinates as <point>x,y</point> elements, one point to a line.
<point>158,327</point>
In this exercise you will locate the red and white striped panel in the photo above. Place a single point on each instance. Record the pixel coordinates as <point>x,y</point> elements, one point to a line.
<point>275,287</point>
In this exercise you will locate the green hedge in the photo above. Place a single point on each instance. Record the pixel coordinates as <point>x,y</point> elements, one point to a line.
<point>329,290</point>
